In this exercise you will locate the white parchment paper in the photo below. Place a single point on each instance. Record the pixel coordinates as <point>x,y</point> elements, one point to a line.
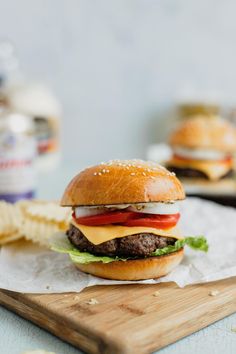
<point>27,268</point>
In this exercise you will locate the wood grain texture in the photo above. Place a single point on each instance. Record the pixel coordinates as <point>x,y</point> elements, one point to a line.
<point>128,318</point>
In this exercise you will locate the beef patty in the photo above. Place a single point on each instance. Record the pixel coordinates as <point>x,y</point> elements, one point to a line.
<point>139,245</point>
<point>192,173</point>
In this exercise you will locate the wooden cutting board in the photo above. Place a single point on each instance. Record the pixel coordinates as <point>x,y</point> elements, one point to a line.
<point>127,318</point>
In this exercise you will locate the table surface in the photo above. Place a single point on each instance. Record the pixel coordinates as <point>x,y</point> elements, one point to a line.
<point>18,335</point>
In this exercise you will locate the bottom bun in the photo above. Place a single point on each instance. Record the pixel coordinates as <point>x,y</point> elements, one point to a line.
<point>137,269</point>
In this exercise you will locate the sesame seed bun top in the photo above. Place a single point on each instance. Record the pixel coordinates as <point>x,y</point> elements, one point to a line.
<point>205,133</point>
<point>123,182</point>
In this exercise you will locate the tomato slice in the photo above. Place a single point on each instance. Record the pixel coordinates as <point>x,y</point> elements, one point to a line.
<point>113,217</point>
<point>156,221</point>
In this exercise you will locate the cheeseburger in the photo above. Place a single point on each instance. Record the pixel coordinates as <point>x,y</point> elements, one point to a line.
<point>124,221</point>
<point>203,149</point>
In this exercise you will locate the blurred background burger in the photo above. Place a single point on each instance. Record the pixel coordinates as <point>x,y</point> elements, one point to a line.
<point>202,152</point>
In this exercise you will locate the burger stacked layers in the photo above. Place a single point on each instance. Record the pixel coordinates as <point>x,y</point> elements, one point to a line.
<point>203,149</point>
<point>124,221</point>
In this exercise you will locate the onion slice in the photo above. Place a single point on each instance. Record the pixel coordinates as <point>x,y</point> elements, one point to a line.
<point>80,212</point>
<point>200,154</point>
<point>156,208</point>
<point>148,208</point>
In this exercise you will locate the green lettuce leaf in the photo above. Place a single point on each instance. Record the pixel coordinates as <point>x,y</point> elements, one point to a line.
<point>61,244</point>
<point>85,258</point>
<point>198,243</point>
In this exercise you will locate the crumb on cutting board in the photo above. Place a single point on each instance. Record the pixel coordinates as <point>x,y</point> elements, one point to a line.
<point>214,293</point>
<point>156,294</point>
<point>76,297</point>
<point>92,302</point>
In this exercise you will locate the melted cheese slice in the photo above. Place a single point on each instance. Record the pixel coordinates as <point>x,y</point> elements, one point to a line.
<point>213,169</point>
<point>100,234</point>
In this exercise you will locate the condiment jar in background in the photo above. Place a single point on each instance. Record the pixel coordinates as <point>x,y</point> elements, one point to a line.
<point>35,100</point>
<point>189,109</point>
<point>38,102</point>
<point>8,67</point>
<point>17,157</point>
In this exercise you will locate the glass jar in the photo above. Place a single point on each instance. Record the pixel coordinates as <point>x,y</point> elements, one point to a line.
<point>189,109</point>
<point>17,156</point>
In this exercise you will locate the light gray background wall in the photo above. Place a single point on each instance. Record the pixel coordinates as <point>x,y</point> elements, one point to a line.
<point>115,63</point>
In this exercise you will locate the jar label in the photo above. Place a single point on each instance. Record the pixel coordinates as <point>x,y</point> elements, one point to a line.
<point>17,173</point>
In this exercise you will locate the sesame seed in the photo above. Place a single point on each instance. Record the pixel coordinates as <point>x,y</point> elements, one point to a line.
<point>144,173</point>
<point>104,171</point>
<point>95,174</point>
<point>132,174</point>
<point>99,173</point>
